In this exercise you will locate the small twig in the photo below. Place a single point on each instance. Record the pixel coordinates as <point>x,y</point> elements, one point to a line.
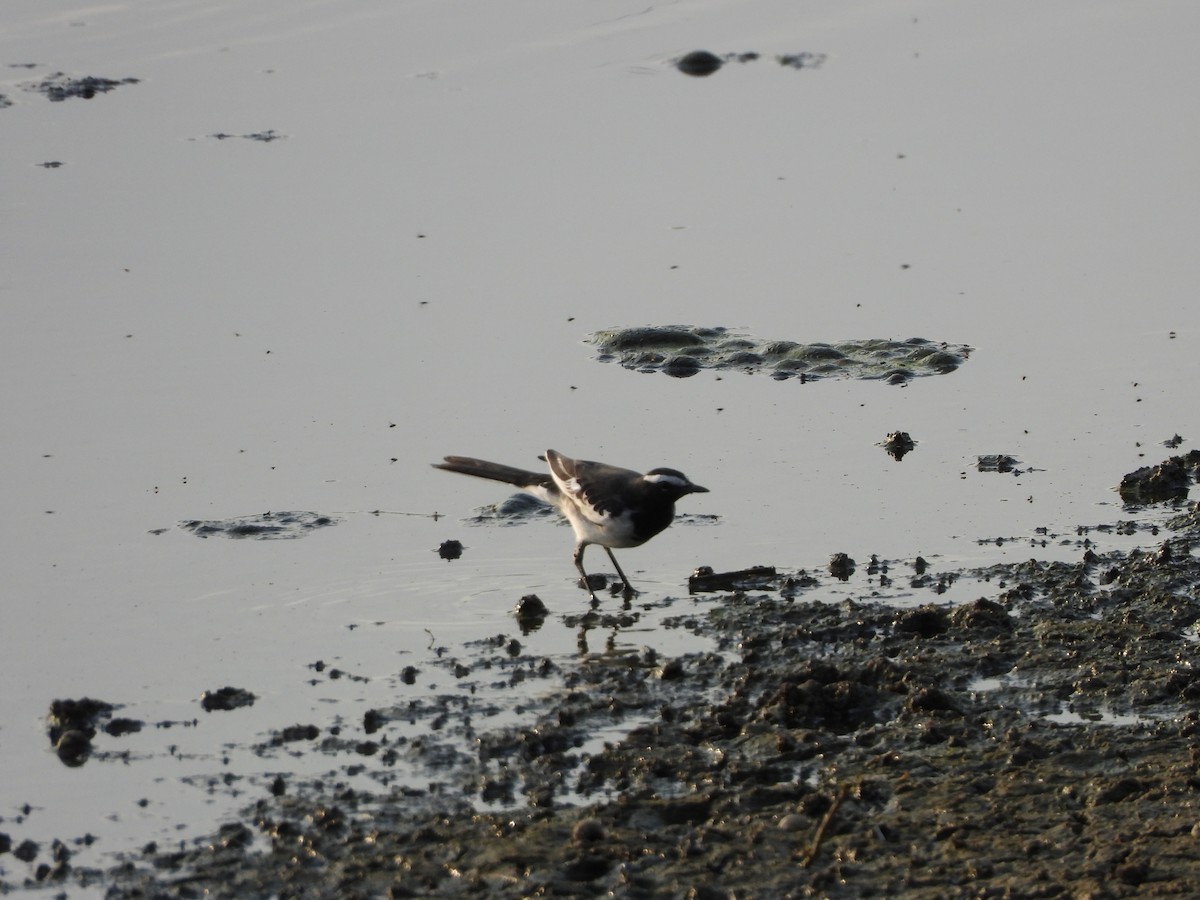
<point>809,856</point>
<point>391,512</point>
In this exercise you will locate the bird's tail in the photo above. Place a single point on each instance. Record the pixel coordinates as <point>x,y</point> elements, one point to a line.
<point>481,468</point>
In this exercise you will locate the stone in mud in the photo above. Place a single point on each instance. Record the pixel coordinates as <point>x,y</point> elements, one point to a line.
<point>74,747</point>
<point>449,550</point>
<point>699,63</point>
<point>841,566</point>
<point>898,444</point>
<point>72,725</point>
<point>531,612</point>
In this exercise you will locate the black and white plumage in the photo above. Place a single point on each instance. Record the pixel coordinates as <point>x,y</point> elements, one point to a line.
<point>606,505</point>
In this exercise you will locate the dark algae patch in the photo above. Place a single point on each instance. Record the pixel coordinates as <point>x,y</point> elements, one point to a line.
<point>266,526</point>
<point>265,137</point>
<point>1039,738</point>
<point>702,63</point>
<point>682,351</point>
<point>60,86</point>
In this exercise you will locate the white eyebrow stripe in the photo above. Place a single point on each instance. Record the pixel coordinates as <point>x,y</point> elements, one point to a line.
<point>669,479</point>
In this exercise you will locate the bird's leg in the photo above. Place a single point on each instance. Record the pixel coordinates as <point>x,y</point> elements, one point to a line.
<point>629,591</point>
<point>587,584</point>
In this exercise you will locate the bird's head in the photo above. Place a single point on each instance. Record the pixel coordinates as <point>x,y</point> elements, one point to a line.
<point>672,483</point>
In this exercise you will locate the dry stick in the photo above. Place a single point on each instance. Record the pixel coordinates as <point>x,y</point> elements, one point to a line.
<point>809,856</point>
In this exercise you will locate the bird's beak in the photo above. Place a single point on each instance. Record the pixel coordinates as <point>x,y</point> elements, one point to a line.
<point>696,489</point>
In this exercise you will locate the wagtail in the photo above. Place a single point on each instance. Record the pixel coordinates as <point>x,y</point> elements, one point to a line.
<point>606,505</point>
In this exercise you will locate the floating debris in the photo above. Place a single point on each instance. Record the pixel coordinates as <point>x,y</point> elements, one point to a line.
<point>804,60</point>
<point>264,137</point>
<point>267,526</point>
<point>682,351</point>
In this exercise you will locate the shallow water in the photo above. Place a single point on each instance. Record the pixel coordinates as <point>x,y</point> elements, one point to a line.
<point>199,328</point>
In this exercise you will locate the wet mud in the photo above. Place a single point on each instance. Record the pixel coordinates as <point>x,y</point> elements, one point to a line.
<point>683,351</point>
<point>1039,738</point>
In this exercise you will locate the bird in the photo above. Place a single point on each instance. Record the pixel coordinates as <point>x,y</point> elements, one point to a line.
<point>606,505</point>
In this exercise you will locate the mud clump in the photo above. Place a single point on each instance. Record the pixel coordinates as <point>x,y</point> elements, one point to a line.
<point>72,725</point>
<point>226,698</point>
<point>1169,480</point>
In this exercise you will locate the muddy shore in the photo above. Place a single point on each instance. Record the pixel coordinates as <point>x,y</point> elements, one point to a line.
<point>1040,741</point>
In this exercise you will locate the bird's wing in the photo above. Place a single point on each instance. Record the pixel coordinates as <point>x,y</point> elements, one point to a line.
<point>577,479</point>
